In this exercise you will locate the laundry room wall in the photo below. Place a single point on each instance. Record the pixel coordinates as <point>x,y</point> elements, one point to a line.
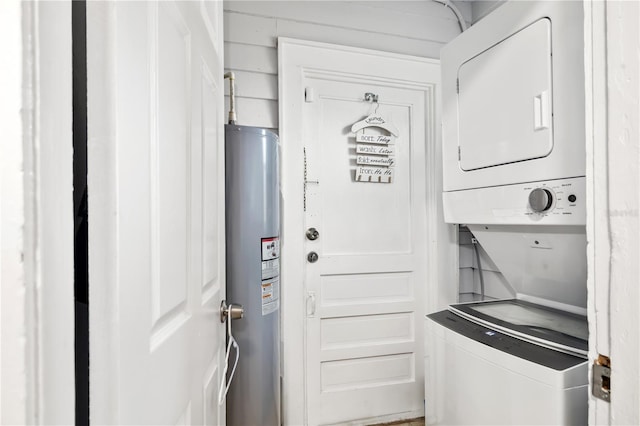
<point>481,8</point>
<point>251,30</point>
<point>496,286</point>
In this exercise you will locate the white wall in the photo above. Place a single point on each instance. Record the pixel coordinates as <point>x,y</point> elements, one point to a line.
<point>52,205</point>
<point>13,315</point>
<point>613,226</point>
<point>252,28</point>
<point>36,218</point>
<point>496,286</point>
<point>623,81</point>
<point>481,8</point>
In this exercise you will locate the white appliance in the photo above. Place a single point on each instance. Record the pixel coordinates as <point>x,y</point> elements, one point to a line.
<point>514,167</point>
<point>479,376</point>
<point>513,97</point>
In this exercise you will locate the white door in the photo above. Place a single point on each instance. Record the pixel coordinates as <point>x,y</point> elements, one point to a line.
<point>156,200</point>
<point>365,297</point>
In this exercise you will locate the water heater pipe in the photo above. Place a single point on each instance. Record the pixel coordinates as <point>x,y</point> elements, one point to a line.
<point>232,96</point>
<point>456,11</point>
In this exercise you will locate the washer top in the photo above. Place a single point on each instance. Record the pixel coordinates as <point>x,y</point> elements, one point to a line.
<point>552,328</point>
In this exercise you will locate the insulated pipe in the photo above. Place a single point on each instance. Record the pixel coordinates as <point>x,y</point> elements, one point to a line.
<point>232,96</point>
<point>456,11</point>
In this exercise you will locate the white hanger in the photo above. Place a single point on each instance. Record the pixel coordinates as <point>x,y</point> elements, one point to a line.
<point>375,119</point>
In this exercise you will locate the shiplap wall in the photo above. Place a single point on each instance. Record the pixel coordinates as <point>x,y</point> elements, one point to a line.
<point>251,30</point>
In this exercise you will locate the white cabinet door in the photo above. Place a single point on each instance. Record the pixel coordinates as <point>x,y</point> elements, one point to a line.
<point>156,209</point>
<point>505,100</point>
<point>365,296</point>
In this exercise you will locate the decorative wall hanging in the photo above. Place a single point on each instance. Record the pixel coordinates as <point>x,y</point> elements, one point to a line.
<point>375,152</point>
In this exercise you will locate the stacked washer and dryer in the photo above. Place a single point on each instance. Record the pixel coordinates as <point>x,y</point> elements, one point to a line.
<point>514,173</point>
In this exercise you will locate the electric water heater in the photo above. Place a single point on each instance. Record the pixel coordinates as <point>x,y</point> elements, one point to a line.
<point>253,273</point>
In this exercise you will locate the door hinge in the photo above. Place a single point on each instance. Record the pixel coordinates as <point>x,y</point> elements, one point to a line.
<point>601,378</point>
<point>459,154</point>
<point>457,85</point>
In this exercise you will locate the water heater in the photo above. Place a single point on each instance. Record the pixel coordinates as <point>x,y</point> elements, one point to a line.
<point>253,272</point>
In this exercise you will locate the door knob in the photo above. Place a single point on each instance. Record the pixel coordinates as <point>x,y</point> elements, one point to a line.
<point>312,234</point>
<point>312,257</point>
<point>233,310</point>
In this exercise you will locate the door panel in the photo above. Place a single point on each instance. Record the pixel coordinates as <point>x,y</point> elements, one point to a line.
<point>364,353</point>
<point>343,228</point>
<point>156,179</point>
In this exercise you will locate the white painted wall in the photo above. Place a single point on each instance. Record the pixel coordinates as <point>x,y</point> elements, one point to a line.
<point>481,8</point>
<point>51,204</point>
<point>613,226</point>
<point>623,112</point>
<point>496,286</point>
<point>252,28</point>
<point>36,225</point>
<point>13,315</point>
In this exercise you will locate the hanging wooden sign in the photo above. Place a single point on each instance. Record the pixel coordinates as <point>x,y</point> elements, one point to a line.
<point>375,159</point>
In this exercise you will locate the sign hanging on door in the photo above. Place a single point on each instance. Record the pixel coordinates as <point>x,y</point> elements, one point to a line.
<point>375,149</point>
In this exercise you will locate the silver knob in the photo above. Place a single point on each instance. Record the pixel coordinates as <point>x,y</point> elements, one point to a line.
<point>312,257</point>
<point>233,310</point>
<point>540,200</point>
<point>312,234</point>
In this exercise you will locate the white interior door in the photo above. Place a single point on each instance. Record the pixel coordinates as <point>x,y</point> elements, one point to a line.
<point>156,200</point>
<point>366,295</point>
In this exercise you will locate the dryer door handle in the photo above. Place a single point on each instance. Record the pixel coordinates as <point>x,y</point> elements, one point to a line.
<point>541,111</point>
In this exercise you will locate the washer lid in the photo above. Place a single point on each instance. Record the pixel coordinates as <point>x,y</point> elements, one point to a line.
<point>505,100</point>
<point>539,324</point>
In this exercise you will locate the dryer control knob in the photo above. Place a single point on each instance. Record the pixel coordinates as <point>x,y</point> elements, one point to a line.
<point>540,200</point>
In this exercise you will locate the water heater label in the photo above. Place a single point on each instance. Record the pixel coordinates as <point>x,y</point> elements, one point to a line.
<point>270,248</point>
<point>270,295</point>
<point>270,257</point>
<point>270,268</point>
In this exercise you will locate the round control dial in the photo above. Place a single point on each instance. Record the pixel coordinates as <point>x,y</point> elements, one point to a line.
<point>540,200</point>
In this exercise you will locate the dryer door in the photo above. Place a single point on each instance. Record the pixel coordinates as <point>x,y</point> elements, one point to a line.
<point>505,101</point>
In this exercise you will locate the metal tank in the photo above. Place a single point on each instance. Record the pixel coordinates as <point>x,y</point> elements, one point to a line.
<point>253,272</point>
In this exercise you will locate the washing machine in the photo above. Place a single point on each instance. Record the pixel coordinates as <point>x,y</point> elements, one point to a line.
<point>514,174</point>
<point>488,376</point>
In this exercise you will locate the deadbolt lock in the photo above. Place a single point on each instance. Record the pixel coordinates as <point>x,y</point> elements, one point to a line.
<point>312,257</point>
<point>312,234</point>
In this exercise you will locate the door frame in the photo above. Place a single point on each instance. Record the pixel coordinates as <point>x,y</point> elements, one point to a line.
<point>441,259</point>
<point>37,215</point>
<point>611,81</point>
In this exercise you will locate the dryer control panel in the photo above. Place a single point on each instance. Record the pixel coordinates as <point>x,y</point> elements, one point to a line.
<point>555,202</point>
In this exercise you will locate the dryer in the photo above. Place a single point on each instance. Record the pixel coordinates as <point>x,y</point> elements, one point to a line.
<point>513,98</point>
